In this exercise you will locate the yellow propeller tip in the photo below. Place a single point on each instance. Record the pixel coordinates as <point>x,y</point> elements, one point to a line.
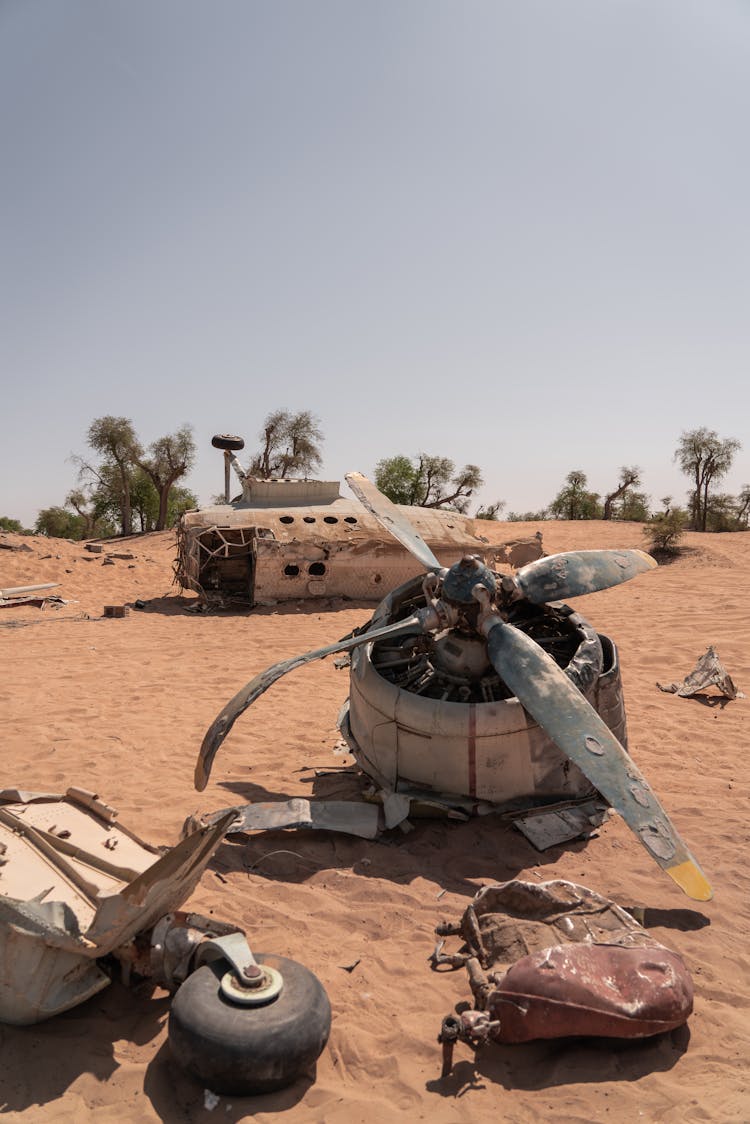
<point>691,880</point>
<point>651,562</point>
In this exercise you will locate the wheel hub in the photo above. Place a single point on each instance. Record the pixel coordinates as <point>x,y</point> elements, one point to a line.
<point>253,991</point>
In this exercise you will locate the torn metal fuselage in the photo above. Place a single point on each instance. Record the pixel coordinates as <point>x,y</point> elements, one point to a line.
<point>285,540</point>
<point>78,888</point>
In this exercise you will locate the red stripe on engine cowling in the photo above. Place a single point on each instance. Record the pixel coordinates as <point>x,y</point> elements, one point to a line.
<point>472,750</point>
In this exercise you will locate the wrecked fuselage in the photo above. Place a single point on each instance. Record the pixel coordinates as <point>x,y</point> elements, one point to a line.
<point>76,889</point>
<point>285,540</point>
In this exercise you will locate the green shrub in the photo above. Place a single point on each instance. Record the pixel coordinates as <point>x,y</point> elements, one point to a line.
<point>665,531</point>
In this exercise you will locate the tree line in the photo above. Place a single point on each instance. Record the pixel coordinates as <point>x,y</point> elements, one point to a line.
<point>701,454</point>
<point>126,486</point>
<point>431,481</point>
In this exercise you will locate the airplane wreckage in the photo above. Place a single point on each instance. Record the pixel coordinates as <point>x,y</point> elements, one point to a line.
<point>478,690</point>
<point>83,900</point>
<point>283,540</point>
<point>470,689</point>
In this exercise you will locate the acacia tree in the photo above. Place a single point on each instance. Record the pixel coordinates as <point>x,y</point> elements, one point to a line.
<point>706,458</point>
<point>7,523</point>
<point>634,507</point>
<point>491,511</point>
<point>290,444</point>
<point>743,505</point>
<point>171,458</point>
<point>81,502</point>
<point>629,478</point>
<point>574,500</point>
<point>59,523</point>
<point>127,474</point>
<point>146,503</point>
<point>427,481</point>
<point>115,439</point>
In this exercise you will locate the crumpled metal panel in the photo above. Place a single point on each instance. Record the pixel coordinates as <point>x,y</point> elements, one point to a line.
<point>349,816</point>
<point>77,887</point>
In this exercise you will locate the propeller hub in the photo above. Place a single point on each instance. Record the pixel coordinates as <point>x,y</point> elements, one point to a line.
<point>459,582</point>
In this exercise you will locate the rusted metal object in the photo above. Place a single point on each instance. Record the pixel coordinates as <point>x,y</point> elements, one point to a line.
<point>553,959</point>
<point>597,990</point>
<point>348,816</point>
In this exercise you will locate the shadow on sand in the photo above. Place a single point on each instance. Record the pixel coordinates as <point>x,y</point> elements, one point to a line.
<point>563,1061</point>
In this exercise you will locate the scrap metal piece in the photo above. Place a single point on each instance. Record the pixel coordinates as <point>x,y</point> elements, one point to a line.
<point>66,900</point>
<point>708,672</point>
<point>317,815</point>
<point>18,590</point>
<point>545,829</point>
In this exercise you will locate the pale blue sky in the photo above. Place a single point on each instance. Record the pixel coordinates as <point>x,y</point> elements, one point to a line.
<point>511,233</point>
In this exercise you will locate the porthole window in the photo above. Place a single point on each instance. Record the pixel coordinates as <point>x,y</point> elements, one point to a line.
<point>330,519</point>
<point>286,519</point>
<point>291,570</point>
<point>349,519</point>
<point>316,569</point>
<point>308,518</point>
<point>377,579</point>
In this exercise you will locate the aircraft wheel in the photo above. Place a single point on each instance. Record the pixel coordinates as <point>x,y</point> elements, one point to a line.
<point>227,441</point>
<point>238,1049</point>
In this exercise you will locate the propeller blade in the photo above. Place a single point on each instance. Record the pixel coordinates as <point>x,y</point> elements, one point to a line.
<point>580,571</point>
<point>394,521</point>
<point>223,723</point>
<point>545,691</point>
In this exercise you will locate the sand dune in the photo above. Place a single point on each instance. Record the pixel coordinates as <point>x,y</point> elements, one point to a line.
<point>120,707</point>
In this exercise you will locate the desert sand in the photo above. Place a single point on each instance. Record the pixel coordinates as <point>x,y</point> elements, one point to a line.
<point>120,707</point>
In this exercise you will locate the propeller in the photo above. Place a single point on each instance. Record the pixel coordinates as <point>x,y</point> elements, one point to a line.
<point>541,686</point>
<point>548,579</point>
<point>552,700</point>
<point>236,706</point>
<point>576,572</point>
<point>394,521</point>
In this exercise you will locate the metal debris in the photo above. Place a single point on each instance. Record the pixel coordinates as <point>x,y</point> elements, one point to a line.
<point>18,590</point>
<point>545,828</point>
<point>288,540</point>
<point>346,816</point>
<point>68,900</point>
<point>708,672</point>
<point>519,552</point>
<point>556,959</point>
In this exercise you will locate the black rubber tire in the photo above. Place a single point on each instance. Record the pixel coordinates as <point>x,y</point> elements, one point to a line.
<point>227,441</point>
<point>244,1050</point>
